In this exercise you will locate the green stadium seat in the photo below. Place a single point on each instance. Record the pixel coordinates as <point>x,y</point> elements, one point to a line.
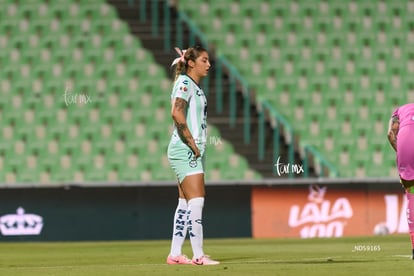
<point>83,48</point>
<point>362,45</point>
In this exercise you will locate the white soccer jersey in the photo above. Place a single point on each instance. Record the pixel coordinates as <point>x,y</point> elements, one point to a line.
<point>196,112</point>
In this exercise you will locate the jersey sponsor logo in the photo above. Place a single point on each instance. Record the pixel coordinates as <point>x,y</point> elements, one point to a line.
<point>183,88</point>
<point>192,163</point>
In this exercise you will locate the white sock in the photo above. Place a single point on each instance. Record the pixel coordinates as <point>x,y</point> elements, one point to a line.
<point>195,226</point>
<point>180,228</point>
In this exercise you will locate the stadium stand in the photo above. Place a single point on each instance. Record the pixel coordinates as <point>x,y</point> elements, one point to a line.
<point>83,101</point>
<point>335,69</point>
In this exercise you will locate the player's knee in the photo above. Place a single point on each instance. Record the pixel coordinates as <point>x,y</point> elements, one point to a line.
<point>197,201</point>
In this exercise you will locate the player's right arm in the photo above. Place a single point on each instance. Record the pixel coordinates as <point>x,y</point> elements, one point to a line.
<point>393,126</point>
<point>179,117</point>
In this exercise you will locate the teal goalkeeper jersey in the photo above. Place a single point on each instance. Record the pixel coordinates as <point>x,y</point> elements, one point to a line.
<point>196,112</point>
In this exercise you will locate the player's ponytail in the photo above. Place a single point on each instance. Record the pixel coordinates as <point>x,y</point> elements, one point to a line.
<point>180,62</point>
<point>184,56</point>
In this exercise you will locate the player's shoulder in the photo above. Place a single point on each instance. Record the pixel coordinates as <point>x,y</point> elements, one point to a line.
<point>408,106</point>
<point>183,83</point>
<point>183,79</point>
<point>183,86</point>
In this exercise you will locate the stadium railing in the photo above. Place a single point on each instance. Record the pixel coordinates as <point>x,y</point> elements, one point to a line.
<point>323,166</point>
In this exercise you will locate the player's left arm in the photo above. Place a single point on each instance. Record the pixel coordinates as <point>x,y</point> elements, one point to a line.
<point>179,118</point>
<point>393,126</point>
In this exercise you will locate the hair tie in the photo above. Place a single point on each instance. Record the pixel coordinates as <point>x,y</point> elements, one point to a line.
<point>181,54</point>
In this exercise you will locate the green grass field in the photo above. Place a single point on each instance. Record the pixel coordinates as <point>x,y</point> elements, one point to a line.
<point>388,255</point>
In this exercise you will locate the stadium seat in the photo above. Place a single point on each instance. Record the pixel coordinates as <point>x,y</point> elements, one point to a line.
<point>353,51</point>
<point>69,50</point>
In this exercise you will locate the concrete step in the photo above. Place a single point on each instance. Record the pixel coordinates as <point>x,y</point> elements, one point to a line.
<point>221,120</point>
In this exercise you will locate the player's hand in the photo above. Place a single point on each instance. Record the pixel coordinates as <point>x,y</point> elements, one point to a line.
<point>197,153</point>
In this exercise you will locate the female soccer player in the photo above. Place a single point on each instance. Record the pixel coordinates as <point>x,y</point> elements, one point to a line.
<point>401,137</point>
<point>186,153</point>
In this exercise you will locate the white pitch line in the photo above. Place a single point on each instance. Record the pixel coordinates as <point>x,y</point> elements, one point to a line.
<point>402,256</point>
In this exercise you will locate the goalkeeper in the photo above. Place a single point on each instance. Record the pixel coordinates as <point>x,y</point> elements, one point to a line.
<point>401,138</point>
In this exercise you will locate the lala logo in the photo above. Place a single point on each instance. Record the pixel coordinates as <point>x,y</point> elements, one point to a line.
<point>20,224</point>
<point>320,217</point>
<point>396,213</point>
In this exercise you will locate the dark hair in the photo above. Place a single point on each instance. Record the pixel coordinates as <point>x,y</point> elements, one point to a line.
<point>191,54</point>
